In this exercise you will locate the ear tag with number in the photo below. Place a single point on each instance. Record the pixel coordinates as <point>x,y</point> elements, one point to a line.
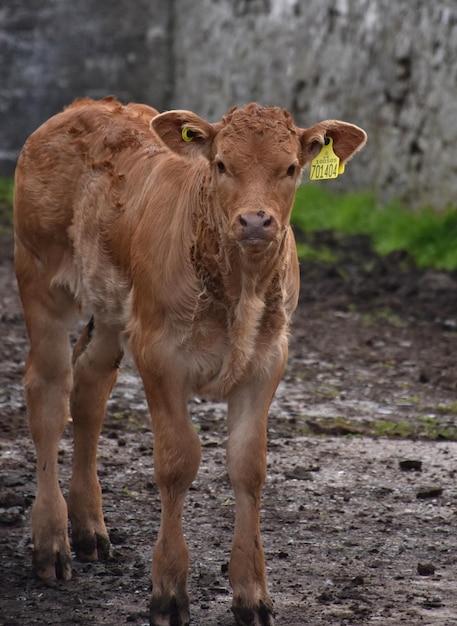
<point>327,164</point>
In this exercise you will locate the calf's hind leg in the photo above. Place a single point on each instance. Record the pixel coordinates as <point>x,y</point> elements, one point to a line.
<point>96,358</point>
<point>48,379</point>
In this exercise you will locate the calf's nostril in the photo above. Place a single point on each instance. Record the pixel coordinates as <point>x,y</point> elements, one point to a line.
<point>255,221</point>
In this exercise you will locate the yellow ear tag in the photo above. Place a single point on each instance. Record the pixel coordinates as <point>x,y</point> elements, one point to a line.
<point>326,165</point>
<point>188,134</point>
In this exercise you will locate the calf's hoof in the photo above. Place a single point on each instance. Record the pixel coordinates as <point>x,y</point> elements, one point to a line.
<point>53,564</point>
<point>94,547</point>
<point>259,616</point>
<point>169,612</point>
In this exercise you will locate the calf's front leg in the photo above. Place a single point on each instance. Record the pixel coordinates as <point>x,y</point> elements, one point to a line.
<point>246,458</point>
<point>176,462</point>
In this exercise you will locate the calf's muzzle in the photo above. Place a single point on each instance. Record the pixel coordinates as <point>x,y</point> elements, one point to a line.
<point>256,226</point>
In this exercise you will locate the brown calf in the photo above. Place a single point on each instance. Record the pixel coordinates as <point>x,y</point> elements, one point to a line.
<point>178,240</point>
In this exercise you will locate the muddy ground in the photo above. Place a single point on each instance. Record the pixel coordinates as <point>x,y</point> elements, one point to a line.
<point>352,534</point>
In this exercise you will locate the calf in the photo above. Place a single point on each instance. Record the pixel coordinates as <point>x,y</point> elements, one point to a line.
<point>175,233</point>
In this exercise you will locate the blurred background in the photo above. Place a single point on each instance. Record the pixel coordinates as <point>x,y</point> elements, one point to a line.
<point>390,67</point>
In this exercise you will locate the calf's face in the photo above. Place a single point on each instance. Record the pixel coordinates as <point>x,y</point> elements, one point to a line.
<point>256,157</point>
<point>255,171</point>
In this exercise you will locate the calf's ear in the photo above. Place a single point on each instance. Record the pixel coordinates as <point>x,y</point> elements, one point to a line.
<point>347,140</point>
<point>184,132</point>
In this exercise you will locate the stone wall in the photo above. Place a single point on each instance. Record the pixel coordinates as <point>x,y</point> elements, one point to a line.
<point>53,51</point>
<point>388,66</point>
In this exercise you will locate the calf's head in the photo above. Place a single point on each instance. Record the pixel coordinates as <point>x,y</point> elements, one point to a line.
<point>256,156</point>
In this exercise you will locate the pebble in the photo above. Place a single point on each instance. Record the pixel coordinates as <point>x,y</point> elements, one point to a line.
<point>299,472</point>
<point>429,492</point>
<point>426,569</point>
<point>408,465</point>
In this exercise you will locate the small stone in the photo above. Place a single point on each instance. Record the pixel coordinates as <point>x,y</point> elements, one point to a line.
<point>432,603</point>
<point>424,377</point>
<point>325,597</point>
<point>426,569</point>
<point>429,492</point>
<point>408,465</point>
<point>299,473</point>
<point>12,515</point>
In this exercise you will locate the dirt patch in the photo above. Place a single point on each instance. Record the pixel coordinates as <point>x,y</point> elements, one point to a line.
<point>352,534</point>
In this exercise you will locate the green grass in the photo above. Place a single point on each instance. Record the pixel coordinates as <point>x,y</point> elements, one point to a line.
<point>6,204</point>
<point>6,190</point>
<point>422,427</point>
<point>322,253</point>
<point>430,237</point>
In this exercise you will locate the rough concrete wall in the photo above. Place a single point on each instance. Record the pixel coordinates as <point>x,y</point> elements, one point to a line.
<point>390,67</point>
<point>53,51</point>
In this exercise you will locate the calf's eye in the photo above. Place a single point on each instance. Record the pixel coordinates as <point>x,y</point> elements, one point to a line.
<point>291,170</point>
<point>220,166</point>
